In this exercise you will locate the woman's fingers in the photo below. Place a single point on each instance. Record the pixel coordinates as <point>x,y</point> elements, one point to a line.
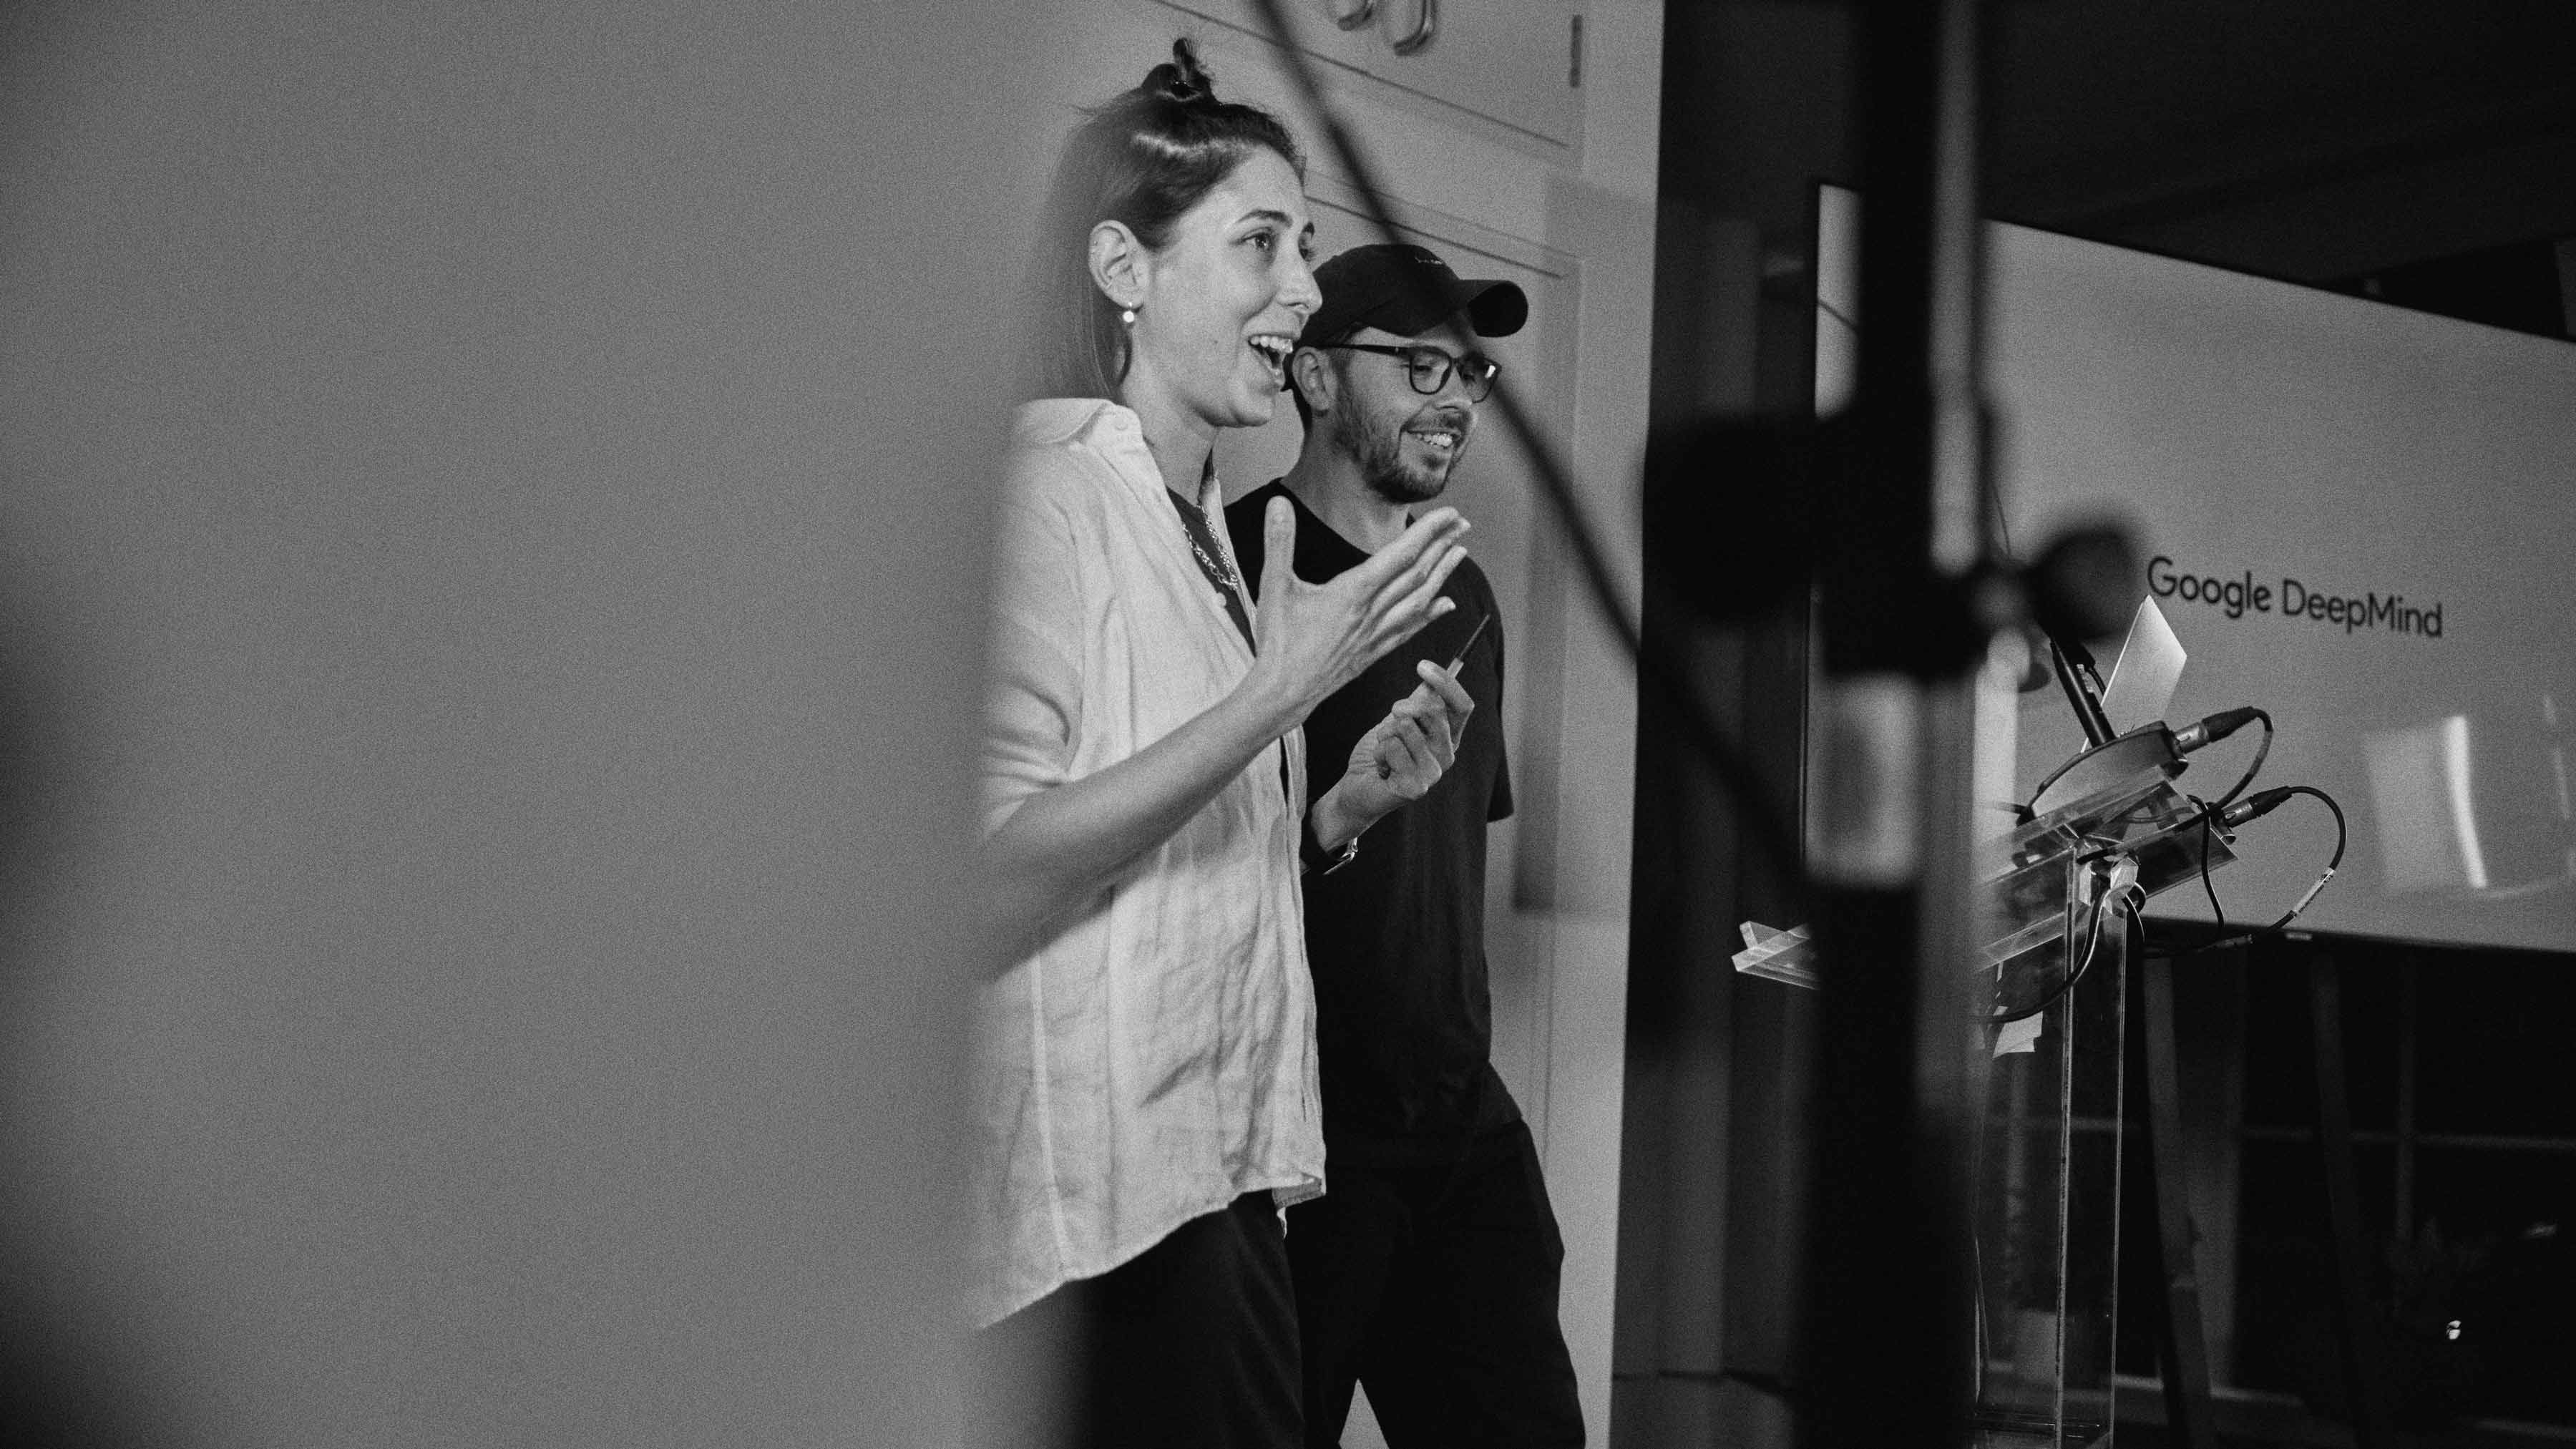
<point>1435,564</point>
<point>1278,550</point>
<point>1423,602</point>
<point>1413,550</point>
<point>1434,559</point>
<point>1420,534</point>
<point>1411,600</point>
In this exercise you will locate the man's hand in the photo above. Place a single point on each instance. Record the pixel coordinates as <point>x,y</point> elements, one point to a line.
<point>1399,759</point>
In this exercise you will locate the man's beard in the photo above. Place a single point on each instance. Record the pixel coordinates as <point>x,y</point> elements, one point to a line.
<point>1380,455</point>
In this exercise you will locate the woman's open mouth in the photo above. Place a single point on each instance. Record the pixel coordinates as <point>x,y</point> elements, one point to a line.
<point>1273,349</point>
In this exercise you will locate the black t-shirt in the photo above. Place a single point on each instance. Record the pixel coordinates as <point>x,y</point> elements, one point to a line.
<point>1396,939</point>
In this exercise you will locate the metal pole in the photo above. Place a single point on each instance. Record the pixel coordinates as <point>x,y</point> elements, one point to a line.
<point>1887,1338</point>
<point>2182,1347</point>
<point>2356,1322</point>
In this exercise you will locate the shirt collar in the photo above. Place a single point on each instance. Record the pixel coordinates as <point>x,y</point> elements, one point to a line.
<point>1116,433</point>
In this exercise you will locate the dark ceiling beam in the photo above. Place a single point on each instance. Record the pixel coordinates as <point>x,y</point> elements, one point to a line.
<point>2103,194</point>
<point>2373,221</point>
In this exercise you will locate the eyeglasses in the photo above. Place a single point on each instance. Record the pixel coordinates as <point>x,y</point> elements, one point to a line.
<point>1427,368</point>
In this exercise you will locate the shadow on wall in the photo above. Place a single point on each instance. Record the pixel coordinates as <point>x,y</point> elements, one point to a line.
<point>492,530</point>
<point>65,1378</point>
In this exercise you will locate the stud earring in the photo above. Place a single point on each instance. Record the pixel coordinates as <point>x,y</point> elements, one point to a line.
<point>1128,316</point>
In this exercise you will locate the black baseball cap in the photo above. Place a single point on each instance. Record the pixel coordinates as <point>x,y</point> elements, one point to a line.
<point>1406,290</point>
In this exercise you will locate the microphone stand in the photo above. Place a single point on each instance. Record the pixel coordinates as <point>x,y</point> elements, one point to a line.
<point>2076,675</point>
<point>1886,1345</point>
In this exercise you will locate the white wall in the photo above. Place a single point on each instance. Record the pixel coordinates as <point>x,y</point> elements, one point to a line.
<point>490,574</point>
<point>1605,214</point>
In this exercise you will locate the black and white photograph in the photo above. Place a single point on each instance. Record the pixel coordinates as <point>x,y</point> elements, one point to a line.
<point>1288,724</point>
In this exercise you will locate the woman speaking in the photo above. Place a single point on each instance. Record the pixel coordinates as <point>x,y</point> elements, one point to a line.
<point>1146,1071</point>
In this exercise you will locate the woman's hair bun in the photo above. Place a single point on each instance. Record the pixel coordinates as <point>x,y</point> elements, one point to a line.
<point>1181,80</point>
<point>1142,160</point>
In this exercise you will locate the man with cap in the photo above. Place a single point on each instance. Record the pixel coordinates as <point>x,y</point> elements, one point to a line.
<point>1428,1271</point>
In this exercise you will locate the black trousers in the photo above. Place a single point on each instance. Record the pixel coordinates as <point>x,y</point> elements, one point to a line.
<point>1190,1345</point>
<point>1429,1273</point>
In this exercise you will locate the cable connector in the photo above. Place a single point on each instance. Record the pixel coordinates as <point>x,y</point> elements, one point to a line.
<point>2255,806</point>
<point>2215,728</point>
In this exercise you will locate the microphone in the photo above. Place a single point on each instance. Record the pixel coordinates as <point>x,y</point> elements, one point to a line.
<point>2108,762</point>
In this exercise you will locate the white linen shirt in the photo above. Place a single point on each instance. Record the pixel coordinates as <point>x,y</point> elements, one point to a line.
<point>1154,1058</point>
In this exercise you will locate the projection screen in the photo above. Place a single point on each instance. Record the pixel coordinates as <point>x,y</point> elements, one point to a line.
<point>2352,515</point>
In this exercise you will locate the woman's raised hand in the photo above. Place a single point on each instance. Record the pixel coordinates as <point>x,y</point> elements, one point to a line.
<point>1315,638</point>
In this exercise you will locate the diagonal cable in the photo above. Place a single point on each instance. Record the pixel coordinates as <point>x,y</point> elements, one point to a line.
<point>1768,823</point>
